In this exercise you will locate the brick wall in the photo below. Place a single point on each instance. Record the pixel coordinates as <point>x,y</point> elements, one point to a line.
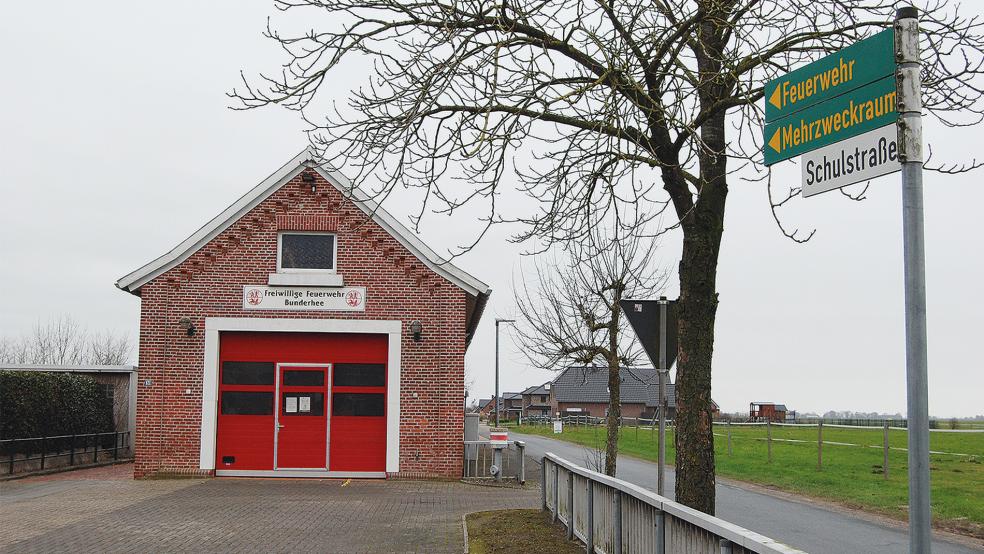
<point>597,409</point>
<point>209,284</point>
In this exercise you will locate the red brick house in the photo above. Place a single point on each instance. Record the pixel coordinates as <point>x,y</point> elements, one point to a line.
<point>302,332</point>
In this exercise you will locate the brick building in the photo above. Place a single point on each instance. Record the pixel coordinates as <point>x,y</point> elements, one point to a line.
<point>302,332</point>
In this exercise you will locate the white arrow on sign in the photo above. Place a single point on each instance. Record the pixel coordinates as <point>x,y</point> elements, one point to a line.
<point>850,161</point>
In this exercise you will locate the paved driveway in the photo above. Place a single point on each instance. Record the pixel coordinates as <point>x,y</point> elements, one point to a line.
<point>110,513</point>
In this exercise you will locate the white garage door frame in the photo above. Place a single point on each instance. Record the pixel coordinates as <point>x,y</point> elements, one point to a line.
<point>210,378</point>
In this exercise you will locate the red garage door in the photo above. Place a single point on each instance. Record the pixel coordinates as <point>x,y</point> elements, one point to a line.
<point>302,401</point>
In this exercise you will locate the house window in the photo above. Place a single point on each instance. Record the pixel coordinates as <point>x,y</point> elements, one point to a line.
<point>306,252</point>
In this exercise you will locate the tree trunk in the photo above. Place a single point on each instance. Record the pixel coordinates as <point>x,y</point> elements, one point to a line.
<point>702,229</point>
<point>614,384</point>
<point>614,416</point>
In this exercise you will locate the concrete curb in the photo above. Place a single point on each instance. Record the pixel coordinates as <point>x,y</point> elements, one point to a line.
<point>464,529</point>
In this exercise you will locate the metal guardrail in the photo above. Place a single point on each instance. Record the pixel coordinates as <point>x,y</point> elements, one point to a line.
<point>616,517</point>
<point>77,450</point>
<point>478,460</point>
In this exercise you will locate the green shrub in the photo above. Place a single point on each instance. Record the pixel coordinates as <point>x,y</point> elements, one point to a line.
<point>42,404</point>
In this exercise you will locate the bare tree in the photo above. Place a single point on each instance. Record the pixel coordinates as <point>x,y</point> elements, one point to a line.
<point>574,315</point>
<point>616,100</point>
<point>63,341</point>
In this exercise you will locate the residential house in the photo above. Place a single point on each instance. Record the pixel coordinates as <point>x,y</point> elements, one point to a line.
<point>584,391</point>
<point>536,400</point>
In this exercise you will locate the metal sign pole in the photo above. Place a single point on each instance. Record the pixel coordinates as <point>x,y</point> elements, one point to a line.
<point>909,92</point>
<point>496,399</point>
<point>661,372</point>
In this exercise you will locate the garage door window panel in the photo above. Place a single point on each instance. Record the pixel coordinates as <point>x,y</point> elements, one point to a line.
<point>359,375</point>
<point>358,404</point>
<point>247,403</point>
<point>248,373</point>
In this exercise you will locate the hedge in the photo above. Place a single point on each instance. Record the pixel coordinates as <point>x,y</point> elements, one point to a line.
<point>42,404</point>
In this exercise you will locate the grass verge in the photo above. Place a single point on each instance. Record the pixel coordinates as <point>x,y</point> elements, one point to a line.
<point>517,531</point>
<point>852,475</point>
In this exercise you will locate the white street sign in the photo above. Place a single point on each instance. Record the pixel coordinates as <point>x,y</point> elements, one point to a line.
<point>850,161</point>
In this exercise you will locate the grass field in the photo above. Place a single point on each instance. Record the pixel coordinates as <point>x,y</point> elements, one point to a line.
<point>851,474</point>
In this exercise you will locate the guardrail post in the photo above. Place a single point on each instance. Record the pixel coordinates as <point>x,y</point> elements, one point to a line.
<point>522,461</point>
<point>589,542</point>
<point>725,546</point>
<point>543,482</point>
<point>660,532</point>
<point>617,527</point>
<point>556,492</point>
<point>570,505</point>
<point>44,447</point>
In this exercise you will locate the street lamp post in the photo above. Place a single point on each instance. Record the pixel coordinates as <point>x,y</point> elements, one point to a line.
<point>497,399</point>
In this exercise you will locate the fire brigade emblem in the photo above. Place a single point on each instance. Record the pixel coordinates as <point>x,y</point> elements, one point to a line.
<point>353,298</point>
<point>254,297</point>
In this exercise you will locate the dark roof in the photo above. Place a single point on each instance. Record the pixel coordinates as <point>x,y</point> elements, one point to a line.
<point>640,385</point>
<point>512,395</point>
<point>781,408</point>
<point>482,403</point>
<point>537,389</point>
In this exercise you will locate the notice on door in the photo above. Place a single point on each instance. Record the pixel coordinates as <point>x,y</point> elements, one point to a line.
<point>341,299</point>
<point>291,405</point>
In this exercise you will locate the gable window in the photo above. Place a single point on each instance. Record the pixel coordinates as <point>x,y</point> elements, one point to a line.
<point>306,252</point>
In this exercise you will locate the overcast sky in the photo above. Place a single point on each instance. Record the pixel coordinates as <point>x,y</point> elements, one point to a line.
<point>116,144</point>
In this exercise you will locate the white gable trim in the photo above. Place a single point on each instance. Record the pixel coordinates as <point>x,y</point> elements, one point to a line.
<point>136,279</point>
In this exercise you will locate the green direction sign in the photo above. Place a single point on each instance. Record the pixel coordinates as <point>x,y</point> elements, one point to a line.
<point>841,72</point>
<point>859,111</point>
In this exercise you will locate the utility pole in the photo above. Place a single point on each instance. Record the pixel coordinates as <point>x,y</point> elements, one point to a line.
<point>909,98</point>
<point>497,400</point>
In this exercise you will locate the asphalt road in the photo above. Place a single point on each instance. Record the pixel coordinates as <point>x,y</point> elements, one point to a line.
<point>808,527</point>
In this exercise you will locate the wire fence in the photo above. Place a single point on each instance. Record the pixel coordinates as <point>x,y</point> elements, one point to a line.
<point>748,438</point>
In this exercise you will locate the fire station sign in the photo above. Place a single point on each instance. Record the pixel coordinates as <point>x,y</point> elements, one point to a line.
<point>846,94</point>
<point>342,299</point>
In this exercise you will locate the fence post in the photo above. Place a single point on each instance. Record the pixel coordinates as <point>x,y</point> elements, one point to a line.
<point>12,458</point>
<point>885,455</point>
<point>44,447</point>
<point>570,505</point>
<point>589,542</point>
<point>725,546</point>
<point>820,446</point>
<point>618,522</point>
<point>95,447</point>
<point>71,451</point>
<point>768,429</point>
<point>729,437</point>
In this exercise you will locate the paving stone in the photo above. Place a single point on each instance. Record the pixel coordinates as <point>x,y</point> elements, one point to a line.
<point>236,515</point>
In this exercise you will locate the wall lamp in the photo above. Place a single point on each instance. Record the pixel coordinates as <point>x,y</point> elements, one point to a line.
<point>308,178</point>
<point>416,328</point>
<point>188,326</point>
